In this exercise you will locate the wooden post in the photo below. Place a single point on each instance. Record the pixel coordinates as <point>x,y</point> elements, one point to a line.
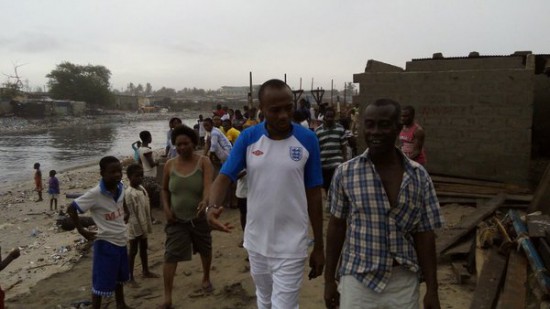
<point>251,92</point>
<point>331,90</point>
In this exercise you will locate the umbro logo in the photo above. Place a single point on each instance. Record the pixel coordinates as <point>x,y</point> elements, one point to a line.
<point>257,153</point>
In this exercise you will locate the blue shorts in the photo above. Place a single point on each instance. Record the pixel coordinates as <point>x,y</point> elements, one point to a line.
<point>110,267</point>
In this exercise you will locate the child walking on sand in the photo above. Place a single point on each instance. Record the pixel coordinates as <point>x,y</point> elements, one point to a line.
<point>3,264</point>
<point>108,210</point>
<point>38,181</point>
<point>139,223</point>
<point>53,189</point>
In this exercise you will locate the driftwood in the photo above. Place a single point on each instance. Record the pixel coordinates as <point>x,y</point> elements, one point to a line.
<point>514,292</point>
<point>448,237</point>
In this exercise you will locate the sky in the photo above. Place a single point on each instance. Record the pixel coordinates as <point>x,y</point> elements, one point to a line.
<point>213,43</point>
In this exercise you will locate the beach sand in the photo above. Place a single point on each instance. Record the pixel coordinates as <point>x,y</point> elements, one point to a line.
<point>52,273</point>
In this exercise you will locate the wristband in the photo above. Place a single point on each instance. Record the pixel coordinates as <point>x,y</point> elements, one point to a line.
<point>210,207</point>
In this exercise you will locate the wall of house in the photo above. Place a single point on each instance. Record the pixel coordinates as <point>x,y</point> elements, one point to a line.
<point>477,121</point>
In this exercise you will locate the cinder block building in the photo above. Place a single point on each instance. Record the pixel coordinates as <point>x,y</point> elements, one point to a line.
<point>485,117</point>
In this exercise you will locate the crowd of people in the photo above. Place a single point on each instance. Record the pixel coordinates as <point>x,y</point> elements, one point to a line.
<point>275,162</point>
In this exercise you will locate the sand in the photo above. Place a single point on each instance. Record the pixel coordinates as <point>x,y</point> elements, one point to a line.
<point>53,273</point>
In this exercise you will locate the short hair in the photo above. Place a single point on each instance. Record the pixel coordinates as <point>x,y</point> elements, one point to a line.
<point>36,165</point>
<point>272,83</point>
<point>409,108</point>
<point>133,168</point>
<point>330,109</point>
<point>207,120</point>
<point>174,119</point>
<point>227,120</point>
<point>144,134</point>
<point>52,173</point>
<point>105,161</point>
<point>184,130</point>
<point>385,102</point>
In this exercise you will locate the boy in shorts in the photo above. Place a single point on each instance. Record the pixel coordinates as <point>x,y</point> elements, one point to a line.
<point>108,210</point>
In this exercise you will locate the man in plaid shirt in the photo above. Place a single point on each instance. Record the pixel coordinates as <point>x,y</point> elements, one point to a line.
<point>384,211</point>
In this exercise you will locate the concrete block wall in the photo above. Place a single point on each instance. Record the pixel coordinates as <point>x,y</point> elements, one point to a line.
<point>477,122</point>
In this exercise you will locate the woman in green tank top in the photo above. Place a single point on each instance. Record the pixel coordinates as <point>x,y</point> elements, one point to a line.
<point>185,186</point>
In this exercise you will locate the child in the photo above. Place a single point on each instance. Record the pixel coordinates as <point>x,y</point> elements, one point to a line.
<point>3,264</point>
<point>108,210</point>
<point>135,147</point>
<point>38,181</point>
<point>53,189</point>
<point>139,223</point>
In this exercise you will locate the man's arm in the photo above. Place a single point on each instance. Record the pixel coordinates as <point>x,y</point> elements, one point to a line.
<point>424,243</point>
<point>315,212</point>
<point>149,157</point>
<point>165,193</point>
<point>71,210</point>
<point>217,194</point>
<point>419,136</point>
<point>207,183</point>
<point>336,234</point>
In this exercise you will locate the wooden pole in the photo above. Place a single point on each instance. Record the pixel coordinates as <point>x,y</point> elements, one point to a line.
<point>331,90</point>
<point>300,84</point>
<point>250,93</point>
<point>285,78</point>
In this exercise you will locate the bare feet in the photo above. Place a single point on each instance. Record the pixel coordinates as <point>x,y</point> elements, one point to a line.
<point>150,275</point>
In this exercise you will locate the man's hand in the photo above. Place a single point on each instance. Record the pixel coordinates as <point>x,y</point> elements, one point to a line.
<point>316,262</point>
<point>14,254</point>
<point>332,297</point>
<point>90,236</point>
<point>212,216</point>
<point>431,300</point>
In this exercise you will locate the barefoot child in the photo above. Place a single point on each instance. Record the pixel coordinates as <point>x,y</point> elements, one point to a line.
<point>53,189</point>
<point>38,181</point>
<point>108,210</point>
<point>139,223</point>
<point>3,264</point>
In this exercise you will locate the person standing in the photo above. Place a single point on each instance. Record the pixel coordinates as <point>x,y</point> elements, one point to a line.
<point>170,150</point>
<point>283,168</point>
<point>185,186</point>
<point>149,162</point>
<point>106,205</point>
<point>384,210</point>
<point>219,146</point>
<point>139,221</point>
<point>412,136</point>
<point>53,189</point>
<point>202,131</point>
<point>38,181</point>
<point>230,132</point>
<point>333,143</point>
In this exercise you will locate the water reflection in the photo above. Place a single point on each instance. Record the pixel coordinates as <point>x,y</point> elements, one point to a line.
<point>65,148</point>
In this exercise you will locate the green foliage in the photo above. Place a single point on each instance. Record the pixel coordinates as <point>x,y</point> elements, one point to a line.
<point>88,83</point>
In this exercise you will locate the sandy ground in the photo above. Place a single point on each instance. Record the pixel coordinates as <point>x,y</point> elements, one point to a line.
<point>52,273</point>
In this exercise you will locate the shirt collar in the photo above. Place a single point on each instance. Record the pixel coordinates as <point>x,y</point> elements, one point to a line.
<point>264,126</point>
<point>409,165</point>
<point>104,190</point>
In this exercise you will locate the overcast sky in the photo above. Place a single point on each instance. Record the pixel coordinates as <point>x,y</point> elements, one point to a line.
<point>209,44</point>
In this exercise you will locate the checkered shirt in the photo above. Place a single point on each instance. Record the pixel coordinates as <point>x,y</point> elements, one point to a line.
<point>376,233</point>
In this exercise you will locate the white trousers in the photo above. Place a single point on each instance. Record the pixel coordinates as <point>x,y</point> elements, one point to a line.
<point>277,280</point>
<point>400,293</point>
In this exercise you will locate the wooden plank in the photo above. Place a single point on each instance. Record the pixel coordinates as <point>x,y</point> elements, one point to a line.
<point>510,188</point>
<point>488,285</point>
<point>459,248</point>
<point>514,292</point>
<point>457,200</point>
<point>541,199</point>
<point>452,187</point>
<point>447,237</point>
<point>510,197</point>
<point>461,275</point>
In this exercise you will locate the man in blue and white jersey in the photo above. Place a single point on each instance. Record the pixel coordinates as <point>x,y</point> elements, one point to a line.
<point>284,193</point>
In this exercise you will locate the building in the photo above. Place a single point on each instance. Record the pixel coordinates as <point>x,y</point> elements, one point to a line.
<point>485,116</point>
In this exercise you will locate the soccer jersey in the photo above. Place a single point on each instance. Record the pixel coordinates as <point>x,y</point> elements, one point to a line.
<point>278,174</point>
<point>107,211</point>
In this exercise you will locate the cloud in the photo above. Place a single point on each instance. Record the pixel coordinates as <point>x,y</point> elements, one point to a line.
<point>31,42</point>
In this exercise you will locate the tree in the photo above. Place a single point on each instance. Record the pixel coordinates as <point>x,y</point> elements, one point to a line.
<point>148,89</point>
<point>88,83</point>
<point>13,85</point>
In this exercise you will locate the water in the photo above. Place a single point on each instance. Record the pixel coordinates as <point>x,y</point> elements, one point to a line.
<point>60,149</point>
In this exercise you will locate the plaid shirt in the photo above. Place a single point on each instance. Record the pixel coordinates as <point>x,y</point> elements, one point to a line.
<point>376,233</point>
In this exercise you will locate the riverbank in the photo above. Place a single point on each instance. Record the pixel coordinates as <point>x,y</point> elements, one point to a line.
<point>53,272</point>
<point>23,125</point>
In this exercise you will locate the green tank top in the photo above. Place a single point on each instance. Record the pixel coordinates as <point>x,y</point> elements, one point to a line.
<point>186,193</point>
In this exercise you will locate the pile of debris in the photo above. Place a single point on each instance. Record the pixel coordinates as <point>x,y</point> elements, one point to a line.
<point>501,244</point>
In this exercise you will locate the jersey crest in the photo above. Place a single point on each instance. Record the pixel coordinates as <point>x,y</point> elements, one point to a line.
<point>296,153</point>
